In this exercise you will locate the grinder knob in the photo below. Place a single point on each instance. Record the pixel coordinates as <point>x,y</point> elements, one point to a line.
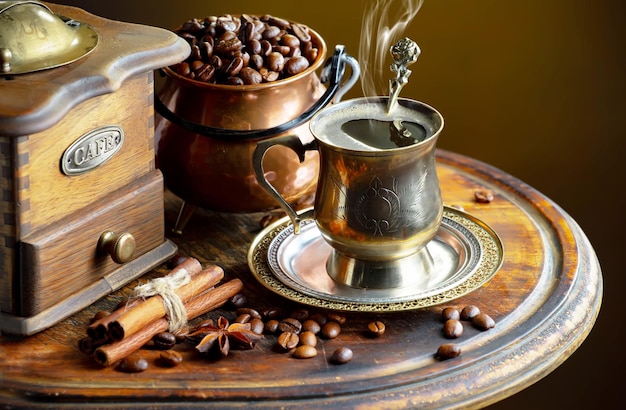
<point>120,246</point>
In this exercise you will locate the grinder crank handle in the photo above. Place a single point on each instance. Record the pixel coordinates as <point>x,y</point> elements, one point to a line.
<point>290,141</point>
<point>333,72</point>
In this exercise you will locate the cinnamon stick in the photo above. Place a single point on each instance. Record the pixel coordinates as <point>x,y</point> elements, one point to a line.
<point>98,329</point>
<point>109,354</point>
<point>152,308</point>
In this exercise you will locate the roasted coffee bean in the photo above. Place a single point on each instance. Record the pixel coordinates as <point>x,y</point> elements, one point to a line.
<point>342,355</point>
<point>450,313</point>
<point>234,67</point>
<point>233,81</point>
<point>469,312</point>
<point>257,326</point>
<point>164,340</point>
<point>312,326</point>
<point>271,313</point>
<point>133,363</point>
<point>376,328</point>
<point>305,352</point>
<point>448,351</point>
<point>250,76</point>
<point>275,61</point>
<point>243,318</point>
<point>296,65</point>
<point>300,314</point>
<point>169,358</point>
<point>290,325</point>
<point>288,340</point>
<point>330,330</point>
<point>290,41</point>
<point>237,301</point>
<point>254,314</point>
<point>483,196</point>
<point>452,329</point>
<point>271,326</point>
<point>218,41</point>
<point>308,338</point>
<point>336,317</point>
<point>319,318</point>
<point>183,69</point>
<point>205,73</point>
<point>483,321</point>
<point>271,32</point>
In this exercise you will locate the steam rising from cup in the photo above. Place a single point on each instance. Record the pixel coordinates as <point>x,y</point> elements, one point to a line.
<point>382,25</point>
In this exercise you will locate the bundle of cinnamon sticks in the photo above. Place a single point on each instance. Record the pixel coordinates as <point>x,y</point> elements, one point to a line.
<point>131,326</point>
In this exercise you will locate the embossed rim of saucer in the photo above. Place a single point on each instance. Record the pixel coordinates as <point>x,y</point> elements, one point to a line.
<point>481,256</point>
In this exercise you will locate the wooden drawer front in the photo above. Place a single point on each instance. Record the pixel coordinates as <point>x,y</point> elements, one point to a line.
<point>62,258</point>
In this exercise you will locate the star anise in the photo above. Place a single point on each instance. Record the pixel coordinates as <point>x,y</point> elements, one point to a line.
<point>219,337</point>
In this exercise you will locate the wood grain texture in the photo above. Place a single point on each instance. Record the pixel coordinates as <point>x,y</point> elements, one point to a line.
<point>62,258</point>
<point>545,299</point>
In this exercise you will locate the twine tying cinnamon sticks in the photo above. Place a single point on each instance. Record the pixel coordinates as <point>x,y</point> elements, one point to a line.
<point>187,292</point>
<point>166,287</point>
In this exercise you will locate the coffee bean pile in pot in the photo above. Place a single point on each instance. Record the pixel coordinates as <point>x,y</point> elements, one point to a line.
<point>245,50</point>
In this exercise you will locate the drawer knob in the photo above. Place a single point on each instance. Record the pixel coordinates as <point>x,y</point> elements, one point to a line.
<point>120,246</point>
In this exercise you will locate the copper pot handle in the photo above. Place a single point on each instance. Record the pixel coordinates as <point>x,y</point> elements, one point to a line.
<point>333,71</point>
<point>290,141</point>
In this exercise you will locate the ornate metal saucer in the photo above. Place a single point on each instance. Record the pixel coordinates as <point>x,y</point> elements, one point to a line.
<point>466,253</point>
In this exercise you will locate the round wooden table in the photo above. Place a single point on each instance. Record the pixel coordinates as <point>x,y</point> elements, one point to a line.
<point>544,299</point>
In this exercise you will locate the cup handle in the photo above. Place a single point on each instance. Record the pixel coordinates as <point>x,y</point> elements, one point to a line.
<point>290,141</point>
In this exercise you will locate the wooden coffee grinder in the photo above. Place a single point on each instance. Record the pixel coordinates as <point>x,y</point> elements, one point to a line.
<point>81,201</point>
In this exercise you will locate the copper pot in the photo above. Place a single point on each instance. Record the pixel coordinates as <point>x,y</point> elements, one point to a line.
<point>206,135</point>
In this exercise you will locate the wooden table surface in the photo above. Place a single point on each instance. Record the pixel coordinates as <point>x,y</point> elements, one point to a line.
<point>544,299</point>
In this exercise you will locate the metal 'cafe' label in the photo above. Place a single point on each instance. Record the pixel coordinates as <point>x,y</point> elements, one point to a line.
<point>92,150</point>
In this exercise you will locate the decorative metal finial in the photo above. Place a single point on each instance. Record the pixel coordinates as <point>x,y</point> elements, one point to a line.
<point>405,52</point>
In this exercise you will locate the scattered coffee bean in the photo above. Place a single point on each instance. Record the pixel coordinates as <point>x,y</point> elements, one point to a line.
<point>132,364</point>
<point>483,196</point>
<point>312,326</point>
<point>164,340</point>
<point>169,358</point>
<point>290,325</point>
<point>243,318</point>
<point>452,329</point>
<point>308,338</point>
<point>257,326</point>
<point>342,355</point>
<point>288,340</point>
<point>305,352</point>
<point>271,327</point>
<point>330,330</point>
<point>469,312</point>
<point>450,313</point>
<point>483,321</point>
<point>319,318</point>
<point>376,329</point>
<point>271,313</point>
<point>448,351</point>
<point>237,301</point>
<point>252,312</point>
<point>336,317</point>
<point>300,314</point>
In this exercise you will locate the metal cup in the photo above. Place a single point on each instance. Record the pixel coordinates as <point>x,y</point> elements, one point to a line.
<point>377,205</point>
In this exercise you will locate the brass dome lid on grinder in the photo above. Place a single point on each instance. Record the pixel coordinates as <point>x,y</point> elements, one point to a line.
<point>34,38</point>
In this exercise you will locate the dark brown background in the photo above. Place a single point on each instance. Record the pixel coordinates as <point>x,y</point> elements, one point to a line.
<point>533,87</point>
